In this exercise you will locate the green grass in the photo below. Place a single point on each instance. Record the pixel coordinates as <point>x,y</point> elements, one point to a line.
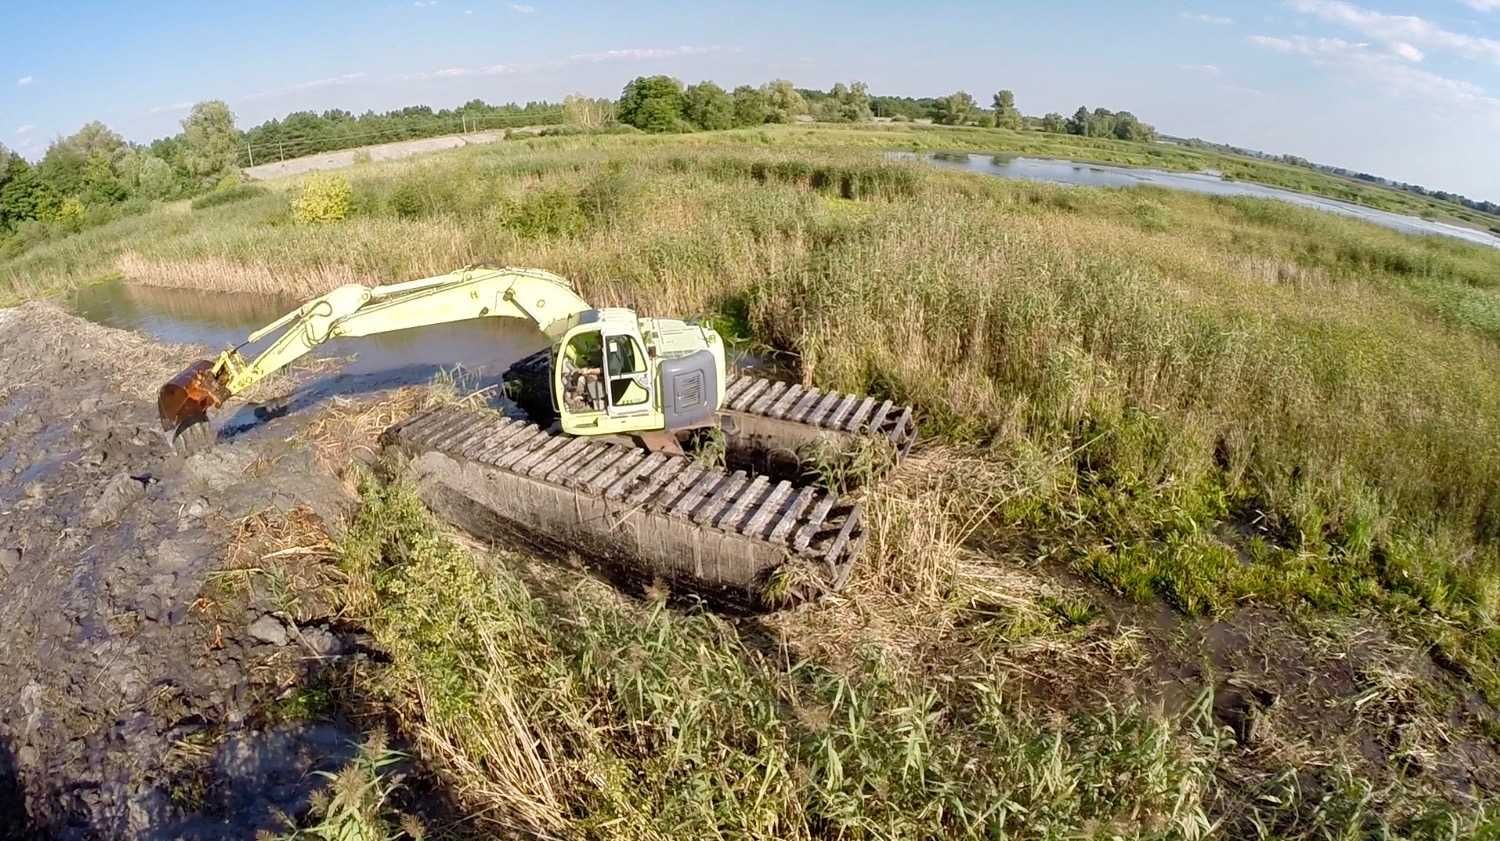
<point>1228,360</point>
<point>228,195</point>
<point>1203,401</point>
<point>597,717</point>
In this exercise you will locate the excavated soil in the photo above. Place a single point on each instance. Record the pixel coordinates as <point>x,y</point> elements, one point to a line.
<point>126,709</point>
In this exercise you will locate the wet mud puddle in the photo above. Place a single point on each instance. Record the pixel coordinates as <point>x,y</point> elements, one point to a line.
<point>483,347</point>
<point>475,354</point>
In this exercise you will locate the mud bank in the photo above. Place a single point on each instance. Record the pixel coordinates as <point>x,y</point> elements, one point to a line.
<point>128,707</point>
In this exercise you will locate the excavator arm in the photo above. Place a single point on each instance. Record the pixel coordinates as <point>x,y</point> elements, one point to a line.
<point>354,310</point>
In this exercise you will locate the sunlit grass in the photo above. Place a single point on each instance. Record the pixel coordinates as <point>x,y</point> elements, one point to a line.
<point>1210,402</point>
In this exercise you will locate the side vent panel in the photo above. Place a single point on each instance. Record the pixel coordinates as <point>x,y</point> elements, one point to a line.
<point>688,389</point>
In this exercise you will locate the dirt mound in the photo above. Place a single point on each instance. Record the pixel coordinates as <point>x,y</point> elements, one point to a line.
<point>123,713</point>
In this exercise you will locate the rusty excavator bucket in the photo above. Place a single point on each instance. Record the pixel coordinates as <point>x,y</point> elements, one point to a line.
<point>187,397</point>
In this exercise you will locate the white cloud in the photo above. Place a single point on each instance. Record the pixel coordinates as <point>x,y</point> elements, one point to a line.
<point>1216,20</point>
<point>1271,42</point>
<point>459,72</point>
<point>24,81</point>
<point>1406,51</point>
<point>468,11</point>
<point>640,54</point>
<point>633,54</point>
<point>1205,69</point>
<point>1483,5</point>
<point>422,4</point>
<point>311,84</point>
<point>329,82</point>
<point>26,129</point>
<point>1384,69</point>
<point>176,106</point>
<point>522,8</point>
<point>1407,30</point>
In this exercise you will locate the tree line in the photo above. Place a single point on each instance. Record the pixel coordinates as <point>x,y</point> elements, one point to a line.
<point>664,104</point>
<point>1489,207</point>
<point>308,132</point>
<point>95,175</point>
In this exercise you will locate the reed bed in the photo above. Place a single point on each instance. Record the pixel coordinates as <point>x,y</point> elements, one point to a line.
<point>1206,402</point>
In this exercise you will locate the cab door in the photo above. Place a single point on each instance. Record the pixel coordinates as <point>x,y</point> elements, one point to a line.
<point>632,392</point>
<point>603,384</point>
<point>580,390</point>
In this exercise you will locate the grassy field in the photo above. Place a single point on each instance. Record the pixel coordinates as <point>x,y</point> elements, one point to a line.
<point>1154,421</point>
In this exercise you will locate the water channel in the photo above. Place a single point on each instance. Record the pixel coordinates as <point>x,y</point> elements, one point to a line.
<point>1055,171</point>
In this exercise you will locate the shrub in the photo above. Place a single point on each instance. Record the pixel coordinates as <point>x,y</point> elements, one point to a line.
<point>228,196</point>
<point>362,156</point>
<point>547,214</point>
<point>323,198</point>
<point>608,197</point>
<point>69,215</point>
<point>407,201</point>
<point>229,180</point>
<point>570,131</point>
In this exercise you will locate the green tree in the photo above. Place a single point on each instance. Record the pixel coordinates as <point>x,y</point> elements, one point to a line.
<point>23,196</point>
<point>1079,122</point>
<point>955,109</point>
<point>708,107</point>
<point>211,143</point>
<point>156,179</point>
<point>96,139</point>
<point>783,103</point>
<point>652,103</point>
<point>12,166</point>
<point>1054,123</point>
<point>583,111</point>
<point>61,168</point>
<point>1006,113</point>
<point>1102,123</point>
<point>750,106</point>
<point>101,183</point>
<point>847,104</point>
<point>1128,127</point>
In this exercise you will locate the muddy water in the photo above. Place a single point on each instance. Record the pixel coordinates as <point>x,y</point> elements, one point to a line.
<point>484,347</point>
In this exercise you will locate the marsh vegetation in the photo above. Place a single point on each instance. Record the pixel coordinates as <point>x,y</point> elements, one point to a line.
<point>1151,418</point>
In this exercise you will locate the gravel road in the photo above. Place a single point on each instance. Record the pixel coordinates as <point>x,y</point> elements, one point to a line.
<point>382,152</point>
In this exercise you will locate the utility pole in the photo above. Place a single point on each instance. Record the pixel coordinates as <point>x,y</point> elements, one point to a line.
<point>250,150</point>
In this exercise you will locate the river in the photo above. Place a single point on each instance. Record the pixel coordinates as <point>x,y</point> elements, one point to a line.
<point>1055,171</point>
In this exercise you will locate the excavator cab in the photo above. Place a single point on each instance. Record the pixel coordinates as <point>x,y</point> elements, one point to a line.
<point>603,376</point>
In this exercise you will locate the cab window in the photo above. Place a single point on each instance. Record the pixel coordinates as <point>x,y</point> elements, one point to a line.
<point>626,370</point>
<point>583,373</point>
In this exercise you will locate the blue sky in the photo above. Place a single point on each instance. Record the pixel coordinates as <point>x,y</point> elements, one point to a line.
<point>1406,89</point>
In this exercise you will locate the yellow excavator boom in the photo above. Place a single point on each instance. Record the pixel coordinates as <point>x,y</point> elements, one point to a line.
<point>544,298</point>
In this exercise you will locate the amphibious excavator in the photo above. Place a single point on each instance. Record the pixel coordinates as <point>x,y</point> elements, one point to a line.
<point>598,464</point>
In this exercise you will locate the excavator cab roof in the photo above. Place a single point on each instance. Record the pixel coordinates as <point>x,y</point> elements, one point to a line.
<point>618,318</point>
